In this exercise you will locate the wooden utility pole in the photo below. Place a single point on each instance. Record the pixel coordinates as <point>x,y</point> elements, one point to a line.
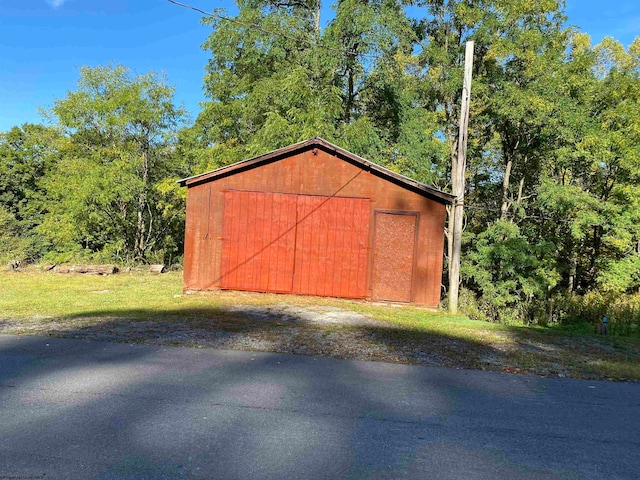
<point>458,169</point>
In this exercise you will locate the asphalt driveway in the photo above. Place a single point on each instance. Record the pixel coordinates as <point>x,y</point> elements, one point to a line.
<point>85,409</point>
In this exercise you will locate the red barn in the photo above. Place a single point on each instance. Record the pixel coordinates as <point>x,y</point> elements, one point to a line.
<point>314,219</point>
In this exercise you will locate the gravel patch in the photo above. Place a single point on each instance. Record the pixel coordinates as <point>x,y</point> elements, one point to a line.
<point>317,315</point>
<point>282,328</point>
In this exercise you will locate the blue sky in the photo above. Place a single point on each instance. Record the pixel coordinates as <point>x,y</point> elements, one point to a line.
<point>44,42</point>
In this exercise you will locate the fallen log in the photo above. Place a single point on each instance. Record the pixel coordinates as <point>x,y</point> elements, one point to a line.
<point>88,269</point>
<point>156,269</point>
<point>15,264</point>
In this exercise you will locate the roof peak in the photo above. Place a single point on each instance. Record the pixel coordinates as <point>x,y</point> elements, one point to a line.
<point>339,152</point>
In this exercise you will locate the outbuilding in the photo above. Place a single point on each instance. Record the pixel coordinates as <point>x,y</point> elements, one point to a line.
<point>314,219</point>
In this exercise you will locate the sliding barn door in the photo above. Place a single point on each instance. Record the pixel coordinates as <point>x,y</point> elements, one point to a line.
<point>332,246</point>
<point>303,244</point>
<point>259,238</point>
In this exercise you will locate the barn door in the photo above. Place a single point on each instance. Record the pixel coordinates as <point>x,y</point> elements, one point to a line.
<point>259,238</point>
<point>332,246</point>
<point>314,245</point>
<point>393,255</point>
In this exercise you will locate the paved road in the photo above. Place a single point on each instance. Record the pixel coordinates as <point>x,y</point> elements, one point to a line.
<point>78,409</point>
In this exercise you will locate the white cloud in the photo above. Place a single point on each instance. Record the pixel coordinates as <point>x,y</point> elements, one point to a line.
<point>56,3</point>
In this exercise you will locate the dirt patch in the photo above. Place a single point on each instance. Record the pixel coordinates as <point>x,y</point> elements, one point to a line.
<point>315,315</point>
<point>281,327</point>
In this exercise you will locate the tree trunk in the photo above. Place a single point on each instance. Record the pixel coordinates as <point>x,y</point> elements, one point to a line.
<point>505,189</point>
<point>90,269</point>
<point>140,238</point>
<point>157,268</point>
<point>573,268</point>
<point>350,96</point>
<point>520,190</point>
<point>597,241</point>
<point>316,18</point>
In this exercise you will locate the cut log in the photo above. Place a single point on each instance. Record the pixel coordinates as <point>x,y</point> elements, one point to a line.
<point>88,269</point>
<point>156,269</point>
<point>15,264</point>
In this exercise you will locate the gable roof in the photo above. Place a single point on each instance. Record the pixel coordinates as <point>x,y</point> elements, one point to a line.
<point>317,142</point>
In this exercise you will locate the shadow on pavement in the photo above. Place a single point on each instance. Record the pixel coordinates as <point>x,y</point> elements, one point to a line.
<point>86,409</point>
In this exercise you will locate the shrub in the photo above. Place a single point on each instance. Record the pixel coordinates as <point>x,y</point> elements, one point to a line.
<point>509,273</point>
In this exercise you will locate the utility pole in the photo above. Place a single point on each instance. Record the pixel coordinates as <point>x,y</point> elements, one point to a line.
<point>458,169</point>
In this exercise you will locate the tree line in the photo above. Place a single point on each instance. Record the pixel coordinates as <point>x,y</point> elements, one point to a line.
<point>553,167</point>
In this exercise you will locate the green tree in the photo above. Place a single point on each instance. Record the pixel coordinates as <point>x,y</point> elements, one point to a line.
<point>509,270</point>
<point>611,151</point>
<point>590,191</point>
<point>27,154</point>
<point>266,82</point>
<point>518,48</point>
<point>288,80</point>
<point>13,244</point>
<point>113,189</point>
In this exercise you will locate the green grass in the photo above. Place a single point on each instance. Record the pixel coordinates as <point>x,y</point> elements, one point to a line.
<point>145,308</point>
<point>25,295</point>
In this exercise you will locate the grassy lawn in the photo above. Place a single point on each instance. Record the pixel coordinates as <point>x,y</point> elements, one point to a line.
<point>142,308</point>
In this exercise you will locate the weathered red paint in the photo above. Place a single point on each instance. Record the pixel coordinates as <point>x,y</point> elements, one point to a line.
<point>331,246</point>
<point>301,220</point>
<point>394,255</point>
<point>284,243</point>
<point>258,241</point>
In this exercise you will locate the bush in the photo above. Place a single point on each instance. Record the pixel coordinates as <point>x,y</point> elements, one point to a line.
<point>481,309</point>
<point>13,248</point>
<point>510,274</point>
<point>468,304</point>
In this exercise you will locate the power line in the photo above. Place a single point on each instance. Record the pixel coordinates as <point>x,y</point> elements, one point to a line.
<point>233,20</point>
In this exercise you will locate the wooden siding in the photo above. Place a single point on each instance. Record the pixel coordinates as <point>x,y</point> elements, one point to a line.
<point>312,172</point>
<point>394,255</point>
<point>258,241</point>
<point>332,248</point>
<point>284,243</point>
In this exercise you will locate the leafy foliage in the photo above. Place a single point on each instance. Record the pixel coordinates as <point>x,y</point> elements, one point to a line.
<point>26,156</point>
<point>111,191</point>
<point>347,84</point>
<point>508,270</point>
